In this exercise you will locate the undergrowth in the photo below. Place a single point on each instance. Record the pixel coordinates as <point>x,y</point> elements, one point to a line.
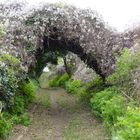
<point>16,92</point>
<point>112,104</point>
<point>114,101</point>
<point>16,113</point>
<point>59,81</point>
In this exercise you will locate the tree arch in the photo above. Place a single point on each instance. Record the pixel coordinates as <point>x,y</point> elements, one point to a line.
<point>62,27</point>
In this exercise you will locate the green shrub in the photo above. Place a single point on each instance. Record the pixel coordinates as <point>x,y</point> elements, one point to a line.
<point>10,60</point>
<point>35,83</point>
<point>5,126</point>
<point>28,88</point>
<point>59,81</point>
<point>100,98</point>
<point>110,105</point>
<point>95,85</point>
<point>122,77</point>
<point>87,90</point>
<point>23,119</point>
<point>7,122</point>
<point>72,86</point>
<point>54,82</point>
<point>8,86</point>
<point>125,64</point>
<point>112,109</point>
<point>18,106</point>
<point>128,126</point>
<point>17,115</point>
<point>63,79</point>
<point>9,78</point>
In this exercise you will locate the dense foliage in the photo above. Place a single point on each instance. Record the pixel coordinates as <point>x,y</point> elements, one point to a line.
<point>128,126</point>
<point>26,38</point>
<point>30,34</point>
<point>24,94</point>
<point>9,77</point>
<point>59,81</point>
<point>16,91</point>
<point>112,102</point>
<point>72,86</point>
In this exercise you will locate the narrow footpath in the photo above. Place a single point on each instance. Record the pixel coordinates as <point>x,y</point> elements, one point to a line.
<point>57,115</point>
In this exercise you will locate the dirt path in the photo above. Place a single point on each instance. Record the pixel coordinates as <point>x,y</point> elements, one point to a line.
<point>58,116</point>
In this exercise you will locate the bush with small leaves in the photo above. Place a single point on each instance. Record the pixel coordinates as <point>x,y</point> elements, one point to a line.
<point>18,106</point>
<point>122,77</point>
<point>112,109</point>
<point>59,81</point>
<point>63,79</point>
<point>128,125</point>
<point>86,92</point>
<point>54,82</point>
<point>72,86</point>
<point>10,75</point>
<point>99,99</point>
<point>28,89</point>
<point>23,119</point>
<point>6,125</point>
